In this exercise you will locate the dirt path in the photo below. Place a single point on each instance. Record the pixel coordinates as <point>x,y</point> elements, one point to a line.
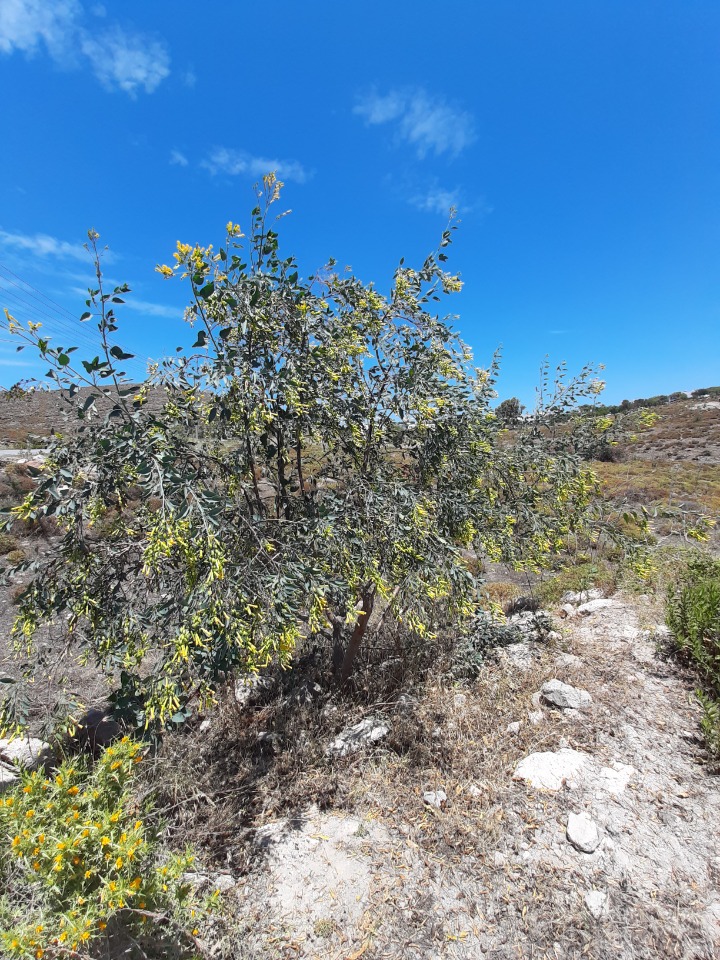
<point>491,873</point>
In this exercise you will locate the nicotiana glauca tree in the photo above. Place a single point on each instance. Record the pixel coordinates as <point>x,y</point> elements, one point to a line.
<point>323,451</point>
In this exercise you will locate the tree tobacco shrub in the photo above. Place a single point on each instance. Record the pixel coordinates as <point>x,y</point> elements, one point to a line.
<point>323,451</point>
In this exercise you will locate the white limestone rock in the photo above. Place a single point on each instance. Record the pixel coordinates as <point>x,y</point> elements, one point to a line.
<point>596,902</point>
<point>359,736</point>
<point>582,596</point>
<point>564,696</point>
<point>27,752</point>
<point>435,798</point>
<point>582,832</point>
<point>552,771</point>
<point>8,778</point>
<point>595,606</point>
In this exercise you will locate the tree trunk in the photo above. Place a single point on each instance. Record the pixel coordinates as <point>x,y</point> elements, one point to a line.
<point>366,609</point>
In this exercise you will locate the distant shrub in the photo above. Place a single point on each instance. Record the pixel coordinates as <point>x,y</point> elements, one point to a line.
<point>7,543</point>
<point>78,864</point>
<point>693,615</point>
<point>575,577</point>
<point>20,478</point>
<point>509,410</point>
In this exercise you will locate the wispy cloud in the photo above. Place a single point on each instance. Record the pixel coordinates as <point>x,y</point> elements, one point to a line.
<point>239,162</point>
<point>26,25</point>
<point>436,200</point>
<point>189,78</point>
<point>154,309</point>
<point>429,123</point>
<point>127,61</point>
<point>43,245</point>
<point>8,362</point>
<point>122,59</point>
<point>178,159</point>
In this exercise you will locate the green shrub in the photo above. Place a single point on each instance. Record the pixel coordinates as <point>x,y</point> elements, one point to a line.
<point>325,449</point>
<point>693,615</point>
<point>78,863</point>
<point>574,577</point>
<point>486,634</point>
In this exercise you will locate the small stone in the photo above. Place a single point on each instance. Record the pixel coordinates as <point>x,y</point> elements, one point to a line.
<point>567,660</point>
<point>205,726</point>
<point>596,902</point>
<point>363,734</point>
<point>459,699</point>
<point>551,771</point>
<point>406,702</point>
<point>216,881</point>
<point>513,727</point>
<point>568,611</point>
<point>594,606</point>
<point>562,695</point>
<point>582,596</point>
<point>29,752</point>
<point>474,791</point>
<point>499,859</point>
<point>535,717</point>
<point>519,655</point>
<point>247,685</point>
<point>582,832</point>
<point>554,637</point>
<point>435,798</point>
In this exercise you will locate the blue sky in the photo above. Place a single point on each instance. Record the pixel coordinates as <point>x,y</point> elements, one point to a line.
<point>580,142</point>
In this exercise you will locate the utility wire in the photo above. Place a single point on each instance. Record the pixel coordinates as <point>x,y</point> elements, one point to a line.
<point>68,325</point>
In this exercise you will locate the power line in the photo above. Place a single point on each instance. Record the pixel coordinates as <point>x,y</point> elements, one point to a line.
<point>47,308</point>
<point>30,311</point>
<point>36,294</point>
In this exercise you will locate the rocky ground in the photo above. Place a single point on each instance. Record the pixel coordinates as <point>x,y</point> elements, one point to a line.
<point>586,824</point>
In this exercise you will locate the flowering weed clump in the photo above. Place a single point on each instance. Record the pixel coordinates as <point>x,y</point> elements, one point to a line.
<point>78,863</point>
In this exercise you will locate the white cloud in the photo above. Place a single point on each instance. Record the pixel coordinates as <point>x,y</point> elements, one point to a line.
<point>238,162</point>
<point>7,362</point>
<point>43,245</point>
<point>127,61</point>
<point>154,309</point>
<point>430,124</point>
<point>436,200</point>
<point>177,158</point>
<point>26,24</point>
<point>121,59</point>
<point>189,78</point>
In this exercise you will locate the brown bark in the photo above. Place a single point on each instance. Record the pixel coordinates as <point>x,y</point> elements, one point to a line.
<point>366,609</point>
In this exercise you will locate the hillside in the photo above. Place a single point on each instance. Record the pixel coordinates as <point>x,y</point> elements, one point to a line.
<point>28,417</point>
<point>548,797</point>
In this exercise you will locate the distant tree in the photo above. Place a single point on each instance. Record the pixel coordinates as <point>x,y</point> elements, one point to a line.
<point>509,410</point>
<point>324,450</point>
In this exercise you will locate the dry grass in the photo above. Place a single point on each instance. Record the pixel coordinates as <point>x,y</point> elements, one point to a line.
<point>662,484</point>
<point>456,873</point>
